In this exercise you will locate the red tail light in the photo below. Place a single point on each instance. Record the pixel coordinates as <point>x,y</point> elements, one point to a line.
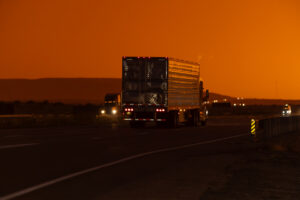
<point>128,109</point>
<point>160,110</point>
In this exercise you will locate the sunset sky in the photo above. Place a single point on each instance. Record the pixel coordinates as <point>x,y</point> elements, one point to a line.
<point>245,48</point>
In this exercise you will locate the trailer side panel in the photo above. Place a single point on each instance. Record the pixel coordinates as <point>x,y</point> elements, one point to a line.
<point>183,84</point>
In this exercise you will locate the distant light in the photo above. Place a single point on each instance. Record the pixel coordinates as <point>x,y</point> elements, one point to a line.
<point>102,111</point>
<point>234,104</point>
<point>244,104</point>
<point>114,111</point>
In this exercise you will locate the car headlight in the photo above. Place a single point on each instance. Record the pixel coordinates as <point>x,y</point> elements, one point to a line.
<point>102,111</point>
<point>114,111</point>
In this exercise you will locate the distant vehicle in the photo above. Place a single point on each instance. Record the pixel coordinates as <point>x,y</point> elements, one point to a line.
<point>287,110</point>
<point>162,89</point>
<point>112,104</point>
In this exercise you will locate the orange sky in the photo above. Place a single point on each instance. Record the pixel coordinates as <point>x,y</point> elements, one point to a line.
<point>246,48</point>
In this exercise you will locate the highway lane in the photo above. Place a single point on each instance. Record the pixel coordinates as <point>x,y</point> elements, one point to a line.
<point>61,151</point>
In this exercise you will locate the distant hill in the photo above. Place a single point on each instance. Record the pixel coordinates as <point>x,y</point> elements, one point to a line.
<point>65,90</point>
<point>84,90</point>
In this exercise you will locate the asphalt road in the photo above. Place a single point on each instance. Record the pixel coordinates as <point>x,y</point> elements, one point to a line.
<point>30,157</point>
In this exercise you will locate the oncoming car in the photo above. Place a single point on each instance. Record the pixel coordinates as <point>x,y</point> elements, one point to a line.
<point>287,110</point>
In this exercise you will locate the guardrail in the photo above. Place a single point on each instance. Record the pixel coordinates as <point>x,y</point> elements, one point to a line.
<point>277,126</point>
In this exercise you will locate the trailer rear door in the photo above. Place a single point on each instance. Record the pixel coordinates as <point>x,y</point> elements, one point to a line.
<point>144,80</point>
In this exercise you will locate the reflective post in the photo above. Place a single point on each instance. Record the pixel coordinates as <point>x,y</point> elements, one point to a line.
<point>253,128</point>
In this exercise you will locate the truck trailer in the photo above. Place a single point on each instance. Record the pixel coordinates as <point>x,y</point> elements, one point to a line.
<point>163,90</point>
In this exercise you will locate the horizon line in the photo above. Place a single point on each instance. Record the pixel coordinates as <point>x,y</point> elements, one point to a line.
<point>249,98</point>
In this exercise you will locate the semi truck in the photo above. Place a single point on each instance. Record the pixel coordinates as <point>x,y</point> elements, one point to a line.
<point>287,110</point>
<point>163,90</point>
<point>112,103</point>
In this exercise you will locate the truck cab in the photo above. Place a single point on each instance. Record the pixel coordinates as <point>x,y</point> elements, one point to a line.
<point>287,110</point>
<point>112,104</point>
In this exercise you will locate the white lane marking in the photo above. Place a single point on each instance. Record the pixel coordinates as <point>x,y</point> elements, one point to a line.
<point>69,176</point>
<point>17,146</point>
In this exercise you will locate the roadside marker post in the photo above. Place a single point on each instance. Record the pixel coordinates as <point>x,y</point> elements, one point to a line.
<point>253,128</point>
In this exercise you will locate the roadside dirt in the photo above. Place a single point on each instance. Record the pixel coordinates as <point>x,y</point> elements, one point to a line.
<point>271,171</point>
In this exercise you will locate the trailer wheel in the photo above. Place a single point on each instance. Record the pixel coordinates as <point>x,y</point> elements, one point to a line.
<point>203,123</point>
<point>173,119</point>
<point>195,118</point>
<point>137,124</point>
<point>161,124</point>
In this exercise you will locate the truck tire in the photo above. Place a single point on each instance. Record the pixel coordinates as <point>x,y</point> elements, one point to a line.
<point>203,123</point>
<point>137,124</point>
<point>195,118</point>
<point>161,124</point>
<point>173,120</point>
